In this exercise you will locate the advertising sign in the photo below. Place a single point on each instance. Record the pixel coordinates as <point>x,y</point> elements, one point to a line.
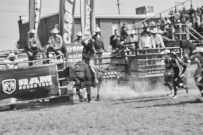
<point>74,53</point>
<point>87,17</point>
<point>34,13</point>
<point>28,83</point>
<point>34,16</point>
<point>66,20</point>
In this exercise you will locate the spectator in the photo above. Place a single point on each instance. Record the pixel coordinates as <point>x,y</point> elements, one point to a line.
<point>78,40</point>
<point>123,29</point>
<point>116,40</point>
<point>191,12</point>
<point>10,61</point>
<point>157,39</point>
<point>178,26</point>
<point>31,40</point>
<point>34,52</point>
<point>152,25</point>
<point>162,24</point>
<point>145,41</point>
<point>201,13</point>
<point>124,34</point>
<point>55,43</point>
<point>131,40</point>
<point>144,25</point>
<point>196,22</point>
<point>98,43</point>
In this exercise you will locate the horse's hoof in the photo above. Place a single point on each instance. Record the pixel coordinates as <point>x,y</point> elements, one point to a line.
<point>174,97</point>
<point>89,100</point>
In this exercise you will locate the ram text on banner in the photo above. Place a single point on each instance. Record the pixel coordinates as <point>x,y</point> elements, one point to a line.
<point>87,16</point>
<point>66,20</point>
<point>29,83</point>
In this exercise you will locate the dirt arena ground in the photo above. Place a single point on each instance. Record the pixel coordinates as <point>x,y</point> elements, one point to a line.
<point>154,113</point>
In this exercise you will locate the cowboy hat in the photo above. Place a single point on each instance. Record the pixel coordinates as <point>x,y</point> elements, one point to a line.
<point>55,31</point>
<point>132,32</point>
<point>154,31</point>
<point>153,23</point>
<point>97,29</point>
<point>31,31</point>
<point>79,34</point>
<point>198,50</point>
<point>160,32</point>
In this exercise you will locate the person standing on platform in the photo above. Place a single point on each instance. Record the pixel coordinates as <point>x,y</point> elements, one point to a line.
<point>116,41</point>
<point>145,41</point>
<point>98,44</point>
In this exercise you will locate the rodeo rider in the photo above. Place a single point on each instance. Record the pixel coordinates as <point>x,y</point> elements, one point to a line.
<point>89,53</point>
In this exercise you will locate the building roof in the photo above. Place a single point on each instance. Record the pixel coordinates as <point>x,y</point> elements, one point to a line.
<point>108,16</point>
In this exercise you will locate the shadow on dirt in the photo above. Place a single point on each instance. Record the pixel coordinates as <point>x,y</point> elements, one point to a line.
<point>197,101</point>
<point>140,99</point>
<point>36,106</point>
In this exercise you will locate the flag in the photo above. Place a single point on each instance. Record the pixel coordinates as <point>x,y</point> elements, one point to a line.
<point>150,9</point>
<point>87,17</point>
<point>66,20</point>
<point>140,10</point>
<point>34,14</point>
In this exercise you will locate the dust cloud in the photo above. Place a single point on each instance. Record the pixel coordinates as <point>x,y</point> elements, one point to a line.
<point>112,90</point>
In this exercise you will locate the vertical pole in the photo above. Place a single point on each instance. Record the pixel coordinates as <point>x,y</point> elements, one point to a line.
<point>118,4</point>
<point>191,2</point>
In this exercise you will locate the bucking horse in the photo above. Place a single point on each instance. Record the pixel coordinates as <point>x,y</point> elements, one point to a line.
<point>81,74</point>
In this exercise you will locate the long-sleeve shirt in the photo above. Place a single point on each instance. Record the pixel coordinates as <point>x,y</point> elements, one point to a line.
<point>131,40</point>
<point>99,44</point>
<point>158,41</point>
<point>57,42</point>
<point>146,42</point>
<point>115,41</point>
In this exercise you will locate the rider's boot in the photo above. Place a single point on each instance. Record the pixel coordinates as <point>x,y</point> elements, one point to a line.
<point>175,97</point>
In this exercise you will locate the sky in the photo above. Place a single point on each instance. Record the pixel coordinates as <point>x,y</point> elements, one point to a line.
<point>10,10</point>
